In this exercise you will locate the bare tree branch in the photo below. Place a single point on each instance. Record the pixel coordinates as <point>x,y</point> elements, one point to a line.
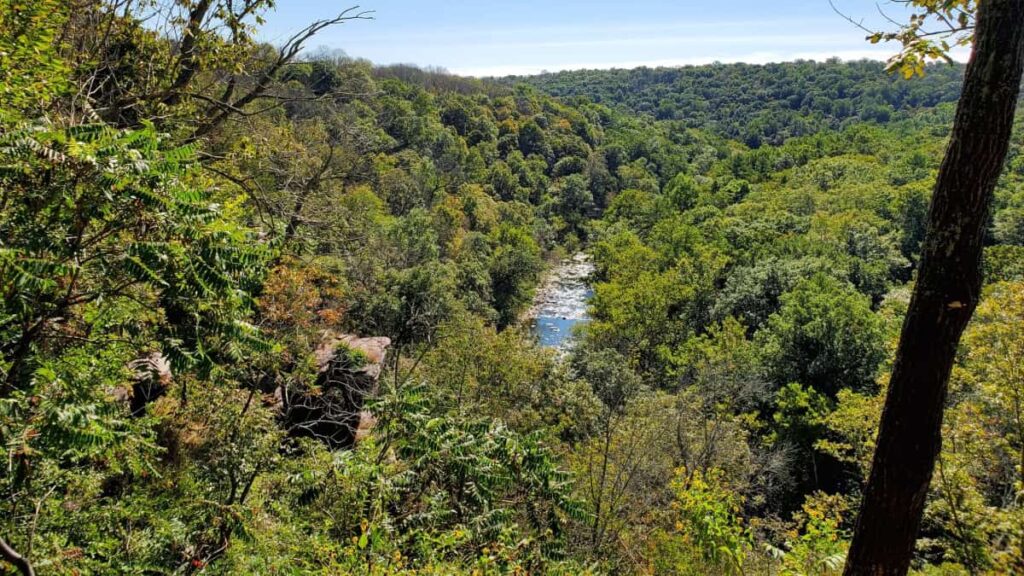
<point>15,559</point>
<point>286,54</point>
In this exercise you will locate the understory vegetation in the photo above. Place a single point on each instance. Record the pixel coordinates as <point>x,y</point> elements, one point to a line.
<point>186,214</point>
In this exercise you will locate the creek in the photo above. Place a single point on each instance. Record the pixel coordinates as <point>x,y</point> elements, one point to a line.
<point>561,302</point>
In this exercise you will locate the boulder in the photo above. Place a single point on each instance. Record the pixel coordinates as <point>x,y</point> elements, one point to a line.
<point>151,376</point>
<point>349,369</point>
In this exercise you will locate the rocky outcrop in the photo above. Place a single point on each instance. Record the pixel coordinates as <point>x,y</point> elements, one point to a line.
<point>333,409</point>
<point>151,376</point>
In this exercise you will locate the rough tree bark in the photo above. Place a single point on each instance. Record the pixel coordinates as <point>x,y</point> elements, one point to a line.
<point>947,291</point>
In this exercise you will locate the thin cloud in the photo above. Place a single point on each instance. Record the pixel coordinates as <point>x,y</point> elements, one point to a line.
<point>660,41</point>
<point>584,30</point>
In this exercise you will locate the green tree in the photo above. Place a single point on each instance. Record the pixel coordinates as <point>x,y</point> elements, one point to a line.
<point>824,335</point>
<point>710,536</point>
<point>31,69</point>
<point>514,267</point>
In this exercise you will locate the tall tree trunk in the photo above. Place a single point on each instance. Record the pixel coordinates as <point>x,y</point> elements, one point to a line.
<point>947,291</point>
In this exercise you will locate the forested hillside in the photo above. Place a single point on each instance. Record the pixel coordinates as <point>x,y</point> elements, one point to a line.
<point>760,104</point>
<point>263,312</point>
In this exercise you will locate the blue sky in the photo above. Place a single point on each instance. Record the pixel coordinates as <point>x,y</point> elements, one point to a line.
<point>490,37</point>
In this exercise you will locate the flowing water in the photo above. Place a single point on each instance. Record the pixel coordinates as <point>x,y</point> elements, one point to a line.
<point>561,302</point>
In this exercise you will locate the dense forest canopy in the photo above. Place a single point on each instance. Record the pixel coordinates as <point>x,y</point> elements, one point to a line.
<point>263,313</point>
<point>760,104</point>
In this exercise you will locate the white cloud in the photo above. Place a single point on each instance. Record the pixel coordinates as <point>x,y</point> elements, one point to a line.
<point>657,41</point>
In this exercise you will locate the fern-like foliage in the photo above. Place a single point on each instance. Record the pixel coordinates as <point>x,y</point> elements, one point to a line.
<point>108,252</point>
<point>93,214</point>
<point>468,485</point>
